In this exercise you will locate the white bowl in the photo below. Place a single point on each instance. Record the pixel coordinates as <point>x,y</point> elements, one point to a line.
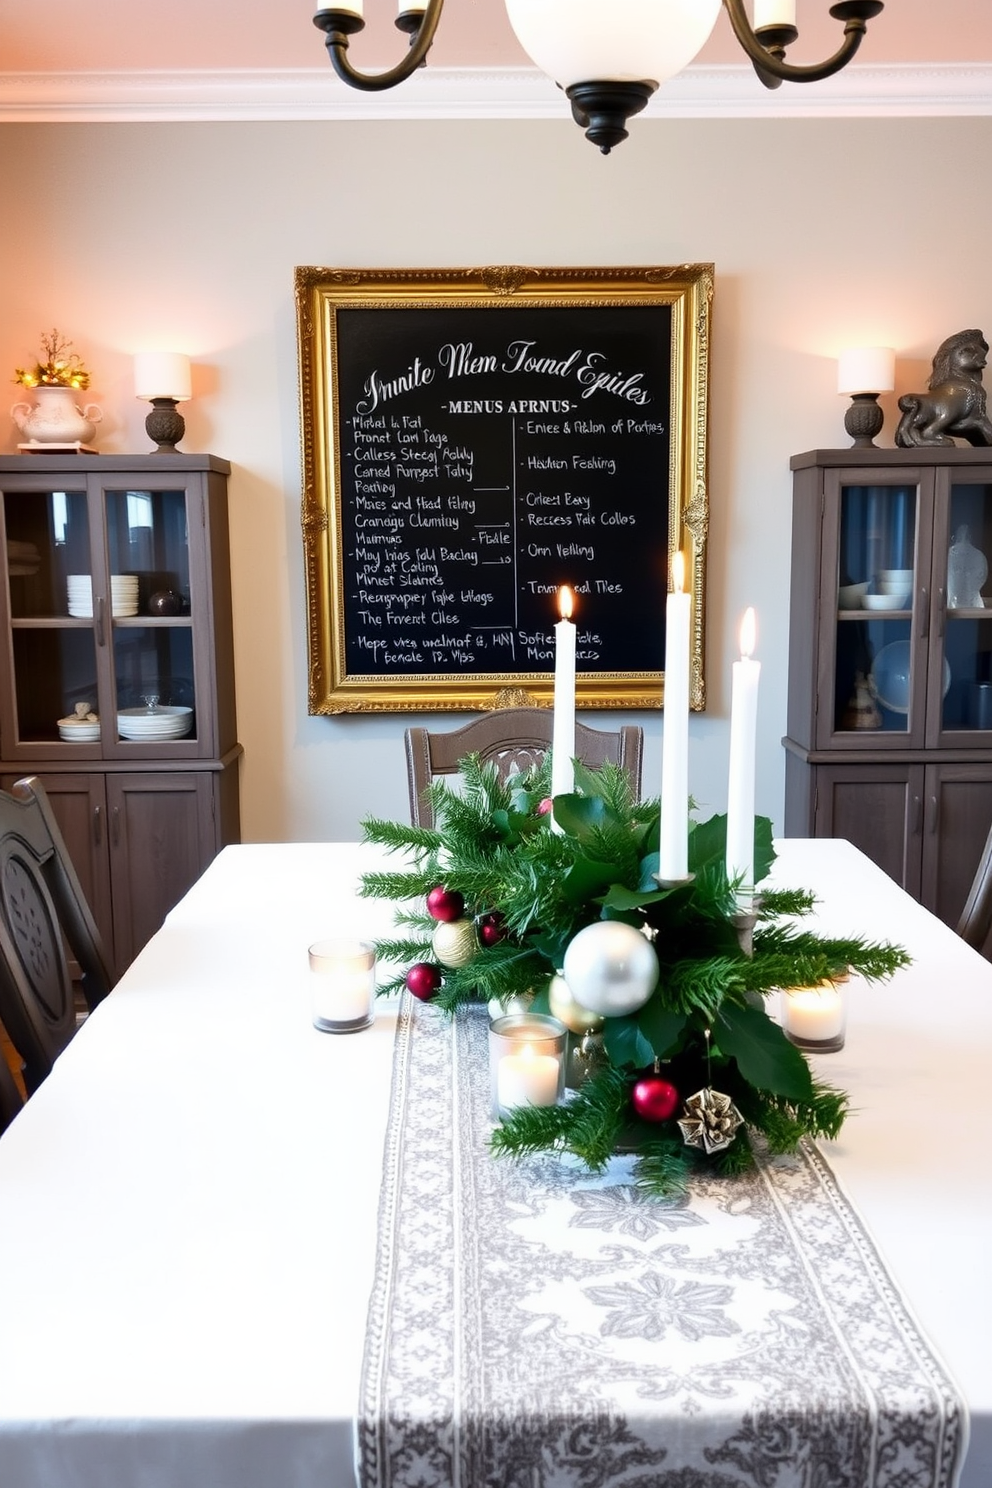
<point>890,676</point>
<point>885,601</point>
<point>849,596</point>
<point>901,576</point>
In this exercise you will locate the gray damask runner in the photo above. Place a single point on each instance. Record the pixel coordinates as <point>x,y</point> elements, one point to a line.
<point>532,1326</point>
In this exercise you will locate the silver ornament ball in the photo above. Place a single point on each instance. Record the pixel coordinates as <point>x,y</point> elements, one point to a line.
<point>611,968</point>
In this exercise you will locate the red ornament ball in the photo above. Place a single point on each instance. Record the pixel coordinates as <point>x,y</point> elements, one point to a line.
<point>445,904</point>
<point>491,929</point>
<point>654,1099</point>
<point>543,807</point>
<point>423,980</point>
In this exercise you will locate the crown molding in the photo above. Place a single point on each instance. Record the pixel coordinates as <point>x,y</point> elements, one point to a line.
<point>889,91</point>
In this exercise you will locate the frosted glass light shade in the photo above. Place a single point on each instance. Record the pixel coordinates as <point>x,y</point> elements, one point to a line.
<point>866,369</point>
<point>579,41</point>
<point>162,374</point>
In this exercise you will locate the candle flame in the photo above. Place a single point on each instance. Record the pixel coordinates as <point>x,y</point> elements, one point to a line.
<point>678,572</point>
<point>565,602</point>
<point>527,1052</point>
<point>748,632</point>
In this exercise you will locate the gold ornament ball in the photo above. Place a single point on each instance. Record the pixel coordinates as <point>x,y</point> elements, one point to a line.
<point>455,943</point>
<point>565,1008</point>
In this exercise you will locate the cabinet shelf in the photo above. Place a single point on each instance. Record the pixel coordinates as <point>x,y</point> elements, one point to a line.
<point>142,817</point>
<point>889,737</point>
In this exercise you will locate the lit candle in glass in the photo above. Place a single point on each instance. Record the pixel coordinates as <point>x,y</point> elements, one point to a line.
<point>674,850</point>
<point>342,985</point>
<point>740,786</point>
<point>526,1061</point>
<point>563,728</point>
<point>815,1017</point>
<point>527,1079</point>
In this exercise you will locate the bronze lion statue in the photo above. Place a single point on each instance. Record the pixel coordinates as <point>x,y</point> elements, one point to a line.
<point>955,404</point>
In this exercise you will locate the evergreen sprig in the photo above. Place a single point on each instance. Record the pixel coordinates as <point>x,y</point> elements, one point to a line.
<point>706,1023</point>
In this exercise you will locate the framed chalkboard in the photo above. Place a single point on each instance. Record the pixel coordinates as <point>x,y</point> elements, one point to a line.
<point>474,439</point>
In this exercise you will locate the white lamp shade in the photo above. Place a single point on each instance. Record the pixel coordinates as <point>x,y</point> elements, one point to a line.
<point>162,374</point>
<point>582,41</point>
<point>866,369</point>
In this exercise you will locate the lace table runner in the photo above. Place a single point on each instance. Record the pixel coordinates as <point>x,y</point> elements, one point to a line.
<point>535,1326</point>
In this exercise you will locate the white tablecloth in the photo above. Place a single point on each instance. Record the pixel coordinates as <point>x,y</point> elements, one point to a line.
<point>189,1202</point>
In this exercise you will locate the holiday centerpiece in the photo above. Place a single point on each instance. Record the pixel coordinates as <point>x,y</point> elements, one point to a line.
<point>55,417</point>
<point>663,984</point>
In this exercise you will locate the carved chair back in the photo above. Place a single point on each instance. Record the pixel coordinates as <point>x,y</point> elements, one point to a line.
<point>511,739</point>
<point>975,924</point>
<point>42,910</point>
<point>10,1096</point>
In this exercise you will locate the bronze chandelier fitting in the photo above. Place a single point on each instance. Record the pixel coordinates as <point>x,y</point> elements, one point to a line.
<point>602,107</point>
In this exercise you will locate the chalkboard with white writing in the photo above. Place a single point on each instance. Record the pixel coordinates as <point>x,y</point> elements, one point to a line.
<point>471,449</point>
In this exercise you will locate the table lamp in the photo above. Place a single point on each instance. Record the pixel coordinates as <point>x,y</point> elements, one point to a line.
<point>162,378</point>
<point>862,373</point>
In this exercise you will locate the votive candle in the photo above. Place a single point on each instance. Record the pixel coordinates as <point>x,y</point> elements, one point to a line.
<point>674,847</point>
<point>342,984</point>
<point>815,1017</point>
<point>527,1079</point>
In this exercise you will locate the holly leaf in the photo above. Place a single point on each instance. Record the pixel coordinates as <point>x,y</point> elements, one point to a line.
<point>660,1026</point>
<point>708,845</point>
<point>626,1044</point>
<point>580,816</point>
<point>585,879</point>
<point>764,1055</point>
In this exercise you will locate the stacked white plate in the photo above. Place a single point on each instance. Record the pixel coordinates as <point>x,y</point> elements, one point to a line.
<point>123,594</point>
<point>78,731</point>
<point>164,721</point>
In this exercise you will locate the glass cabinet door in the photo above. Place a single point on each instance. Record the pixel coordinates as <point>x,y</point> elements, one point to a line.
<point>961,666</point>
<point>878,695</point>
<point>151,625</point>
<point>55,683</point>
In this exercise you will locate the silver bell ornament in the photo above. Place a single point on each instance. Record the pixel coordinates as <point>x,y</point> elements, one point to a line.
<point>565,1008</point>
<point>611,968</point>
<point>454,943</point>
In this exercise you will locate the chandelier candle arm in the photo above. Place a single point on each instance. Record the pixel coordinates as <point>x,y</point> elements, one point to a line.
<point>766,46</point>
<point>344,20</point>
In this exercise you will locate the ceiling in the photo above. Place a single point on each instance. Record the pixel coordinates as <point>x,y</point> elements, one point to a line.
<point>264,58</point>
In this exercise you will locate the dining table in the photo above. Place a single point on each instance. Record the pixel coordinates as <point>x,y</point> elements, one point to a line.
<point>199,1205</point>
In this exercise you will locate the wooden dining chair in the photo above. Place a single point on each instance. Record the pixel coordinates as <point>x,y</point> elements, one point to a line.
<point>975,924</point>
<point>42,911</point>
<point>511,739</point>
<point>10,1096</point>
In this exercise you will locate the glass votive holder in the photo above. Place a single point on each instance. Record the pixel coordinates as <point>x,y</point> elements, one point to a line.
<point>815,1018</point>
<point>526,1061</point>
<point>342,985</point>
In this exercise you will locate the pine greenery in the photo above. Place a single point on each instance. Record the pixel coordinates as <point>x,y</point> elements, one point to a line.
<point>705,1024</point>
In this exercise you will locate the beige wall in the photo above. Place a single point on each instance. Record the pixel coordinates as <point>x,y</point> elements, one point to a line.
<point>823,233</point>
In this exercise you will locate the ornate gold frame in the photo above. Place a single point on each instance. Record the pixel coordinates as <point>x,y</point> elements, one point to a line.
<point>320,294</point>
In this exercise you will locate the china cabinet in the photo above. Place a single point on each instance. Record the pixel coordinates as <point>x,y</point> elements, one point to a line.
<point>890,661</point>
<point>117,678</point>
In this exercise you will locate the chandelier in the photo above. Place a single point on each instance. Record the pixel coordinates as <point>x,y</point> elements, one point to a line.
<point>609,61</point>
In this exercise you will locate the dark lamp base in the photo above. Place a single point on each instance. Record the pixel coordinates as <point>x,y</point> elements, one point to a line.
<point>165,425</point>
<point>864,419</point>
